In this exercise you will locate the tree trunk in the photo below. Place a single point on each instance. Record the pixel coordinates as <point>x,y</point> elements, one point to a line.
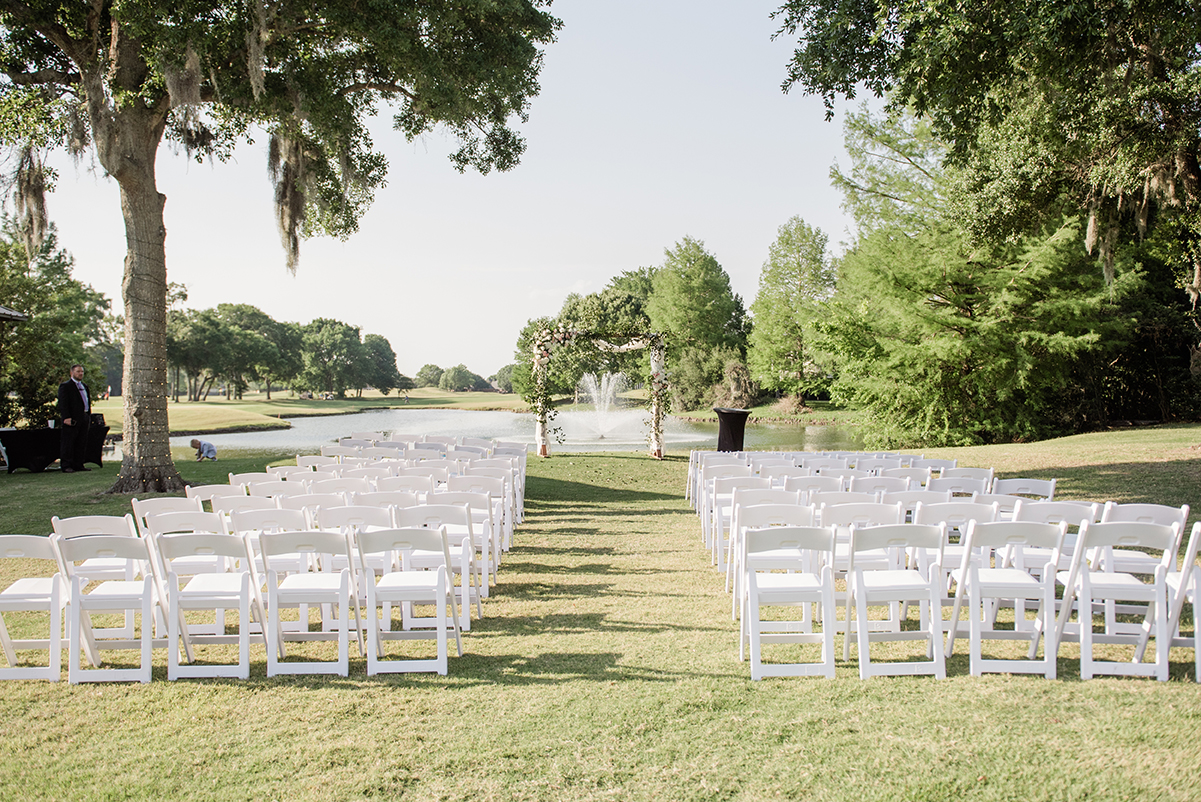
<point>146,465</point>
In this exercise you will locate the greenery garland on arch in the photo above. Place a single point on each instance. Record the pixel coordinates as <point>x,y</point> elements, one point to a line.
<point>550,340</point>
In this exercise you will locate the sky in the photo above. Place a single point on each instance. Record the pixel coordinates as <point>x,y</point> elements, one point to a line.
<point>656,120</point>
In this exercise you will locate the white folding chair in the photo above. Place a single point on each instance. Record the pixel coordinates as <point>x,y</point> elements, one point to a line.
<point>321,588</point>
<point>155,506</point>
<point>127,596</point>
<point>33,594</point>
<point>715,526</point>
<point>408,587</point>
<point>232,587</point>
<point>503,507</point>
<point>486,531</point>
<point>805,552</point>
<point>1182,587</point>
<point>897,583</point>
<point>993,569</point>
<point>457,520</point>
<point>1092,578</point>
<point>101,568</point>
<point>759,516</point>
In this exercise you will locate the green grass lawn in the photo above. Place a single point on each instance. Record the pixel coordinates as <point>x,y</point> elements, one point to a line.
<point>605,667</point>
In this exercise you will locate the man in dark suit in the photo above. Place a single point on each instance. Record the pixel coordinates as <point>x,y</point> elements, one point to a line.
<point>75,408</point>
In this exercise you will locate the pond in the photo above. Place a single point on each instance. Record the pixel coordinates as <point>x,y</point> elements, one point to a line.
<point>620,430</point>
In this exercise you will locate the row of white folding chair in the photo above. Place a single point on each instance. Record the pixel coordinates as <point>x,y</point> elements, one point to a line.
<point>350,519</point>
<point>170,554</point>
<point>953,516</point>
<point>808,553</point>
<point>999,561</point>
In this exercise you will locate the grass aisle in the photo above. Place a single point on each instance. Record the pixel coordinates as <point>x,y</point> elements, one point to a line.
<point>605,668</point>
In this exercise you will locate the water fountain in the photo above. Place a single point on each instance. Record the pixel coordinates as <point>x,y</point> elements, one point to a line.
<point>606,423</point>
<point>603,394</point>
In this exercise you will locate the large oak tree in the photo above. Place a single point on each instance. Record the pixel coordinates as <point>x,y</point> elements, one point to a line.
<point>121,76</point>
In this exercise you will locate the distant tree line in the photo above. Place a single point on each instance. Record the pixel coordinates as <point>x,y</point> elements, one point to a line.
<point>234,345</point>
<point>454,380</point>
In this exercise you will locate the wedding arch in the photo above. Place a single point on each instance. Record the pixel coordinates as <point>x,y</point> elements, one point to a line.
<point>549,341</point>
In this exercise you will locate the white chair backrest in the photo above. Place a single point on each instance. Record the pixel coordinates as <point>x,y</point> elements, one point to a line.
<point>81,525</point>
<point>228,505</point>
<point>841,497</point>
<point>356,443</point>
<point>314,460</point>
<point>806,541</point>
<point>369,436</point>
<point>959,485</point>
<point>385,498</point>
<point>154,506</point>
<point>412,484</point>
<point>277,520</point>
<point>879,484</point>
<point>916,476</point>
<point>251,477</point>
<point>371,474</point>
<point>352,518</point>
<point>758,516</point>
<point>928,539</point>
<point>472,483</point>
<point>205,522</point>
<point>877,465</point>
<point>288,471</point>
<point>209,492</point>
<point>934,464</point>
<point>749,496</point>
<point>1073,513</point>
<point>1145,513</point>
<point>955,514</point>
<point>311,501</point>
<point>377,452</point>
<point>189,544</point>
<point>1043,489</point>
<point>824,463</point>
<point>343,485</point>
<point>861,514</point>
<point>293,487</point>
<point>814,484</point>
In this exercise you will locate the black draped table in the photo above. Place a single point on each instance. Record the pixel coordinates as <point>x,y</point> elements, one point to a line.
<point>36,448</point>
<point>731,426</point>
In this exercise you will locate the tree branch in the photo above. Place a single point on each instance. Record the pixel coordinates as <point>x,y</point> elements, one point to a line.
<point>366,86</point>
<point>43,77</point>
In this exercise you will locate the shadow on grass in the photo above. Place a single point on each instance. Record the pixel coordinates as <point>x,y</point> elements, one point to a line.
<point>543,491</point>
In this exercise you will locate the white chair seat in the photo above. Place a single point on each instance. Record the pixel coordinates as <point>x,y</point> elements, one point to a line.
<point>898,583</point>
<point>785,583</point>
<point>211,586</point>
<point>308,583</point>
<point>27,589</point>
<point>418,581</point>
<point>117,592</point>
